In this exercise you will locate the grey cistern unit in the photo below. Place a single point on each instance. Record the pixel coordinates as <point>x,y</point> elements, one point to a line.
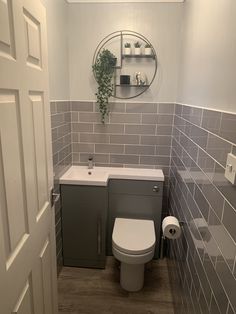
<point>135,199</point>
<point>89,212</point>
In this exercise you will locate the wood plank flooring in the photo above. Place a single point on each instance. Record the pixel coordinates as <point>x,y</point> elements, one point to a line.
<point>94,291</point>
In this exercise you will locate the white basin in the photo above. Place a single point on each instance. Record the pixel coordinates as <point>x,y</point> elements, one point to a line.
<point>85,176</point>
<point>99,176</point>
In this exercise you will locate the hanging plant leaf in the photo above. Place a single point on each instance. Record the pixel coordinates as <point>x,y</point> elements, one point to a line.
<point>103,71</point>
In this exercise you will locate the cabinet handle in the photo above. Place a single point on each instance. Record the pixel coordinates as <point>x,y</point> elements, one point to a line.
<point>99,237</point>
<point>155,188</point>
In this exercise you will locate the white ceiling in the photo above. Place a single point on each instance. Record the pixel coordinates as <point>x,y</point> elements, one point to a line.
<point>121,1</point>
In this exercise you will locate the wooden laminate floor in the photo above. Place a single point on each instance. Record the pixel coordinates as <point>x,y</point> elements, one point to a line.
<point>94,291</point>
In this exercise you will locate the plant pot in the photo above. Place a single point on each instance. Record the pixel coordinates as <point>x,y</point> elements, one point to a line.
<point>148,51</point>
<point>137,51</point>
<point>127,51</point>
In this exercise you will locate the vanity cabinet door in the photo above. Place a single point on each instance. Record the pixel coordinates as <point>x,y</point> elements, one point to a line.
<point>84,212</point>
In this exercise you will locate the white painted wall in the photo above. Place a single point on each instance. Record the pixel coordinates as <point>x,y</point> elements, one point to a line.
<point>159,22</point>
<point>57,26</point>
<point>208,59</point>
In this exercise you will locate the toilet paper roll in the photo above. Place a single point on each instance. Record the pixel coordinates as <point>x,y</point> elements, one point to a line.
<point>171,228</point>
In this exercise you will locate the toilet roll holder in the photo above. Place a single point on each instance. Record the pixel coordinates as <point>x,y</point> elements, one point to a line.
<point>172,231</point>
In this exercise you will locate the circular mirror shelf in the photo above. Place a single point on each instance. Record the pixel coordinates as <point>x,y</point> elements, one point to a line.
<point>135,69</point>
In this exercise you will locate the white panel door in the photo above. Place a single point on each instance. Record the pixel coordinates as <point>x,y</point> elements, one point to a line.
<point>27,238</point>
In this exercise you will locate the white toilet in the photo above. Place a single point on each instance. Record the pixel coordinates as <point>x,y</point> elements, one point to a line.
<point>133,244</point>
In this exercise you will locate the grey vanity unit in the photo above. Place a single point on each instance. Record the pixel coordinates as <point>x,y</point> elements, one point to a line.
<point>89,212</point>
<point>84,219</point>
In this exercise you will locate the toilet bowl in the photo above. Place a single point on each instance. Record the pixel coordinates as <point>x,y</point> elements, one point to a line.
<point>133,244</point>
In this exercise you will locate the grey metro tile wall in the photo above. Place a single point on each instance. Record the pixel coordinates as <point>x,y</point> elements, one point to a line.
<point>62,159</point>
<point>137,129</point>
<point>203,259</point>
<point>134,135</point>
<point>193,160</point>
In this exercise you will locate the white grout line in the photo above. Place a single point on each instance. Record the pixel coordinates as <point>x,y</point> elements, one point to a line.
<point>234,267</point>
<point>222,215</point>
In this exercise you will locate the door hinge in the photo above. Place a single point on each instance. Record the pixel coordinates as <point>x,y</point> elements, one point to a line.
<point>54,197</point>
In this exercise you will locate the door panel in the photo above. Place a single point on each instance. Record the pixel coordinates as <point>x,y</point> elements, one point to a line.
<point>11,172</point>
<point>38,114</point>
<point>7,41</point>
<point>24,304</point>
<point>27,231</point>
<point>33,40</point>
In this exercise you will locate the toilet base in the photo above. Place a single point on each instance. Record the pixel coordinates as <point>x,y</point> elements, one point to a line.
<point>131,276</point>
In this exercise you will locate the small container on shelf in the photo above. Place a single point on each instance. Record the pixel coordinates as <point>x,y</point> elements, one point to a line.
<point>137,48</point>
<point>148,50</point>
<point>124,79</point>
<point>140,79</point>
<point>127,49</point>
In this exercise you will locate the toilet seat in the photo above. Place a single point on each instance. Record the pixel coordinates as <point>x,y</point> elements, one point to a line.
<point>133,236</point>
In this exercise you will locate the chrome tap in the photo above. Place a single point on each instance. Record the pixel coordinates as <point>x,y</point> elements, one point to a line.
<point>90,163</point>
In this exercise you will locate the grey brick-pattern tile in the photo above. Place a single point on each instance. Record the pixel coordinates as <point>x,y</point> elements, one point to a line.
<point>218,148</point>
<point>94,138</point>
<point>98,158</point>
<point>109,148</point>
<point>124,159</point>
<point>166,108</point>
<point>81,127</point>
<point>140,129</point>
<point>131,131</point>
<point>125,118</point>
<point>62,158</point>
<point>109,128</point>
<point>156,140</point>
<point>202,197</point>
<point>141,108</point>
<point>222,237</point>
<point>229,216</point>
<point>89,117</point>
<point>211,121</point>
<point>81,106</point>
<point>227,127</point>
<point>134,135</point>
<point>159,119</point>
<point>124,139</point>
<point>140,150</point>
<point>192,157</point>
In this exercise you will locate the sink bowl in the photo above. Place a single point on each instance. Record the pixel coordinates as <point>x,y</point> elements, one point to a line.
<point>84,175</point>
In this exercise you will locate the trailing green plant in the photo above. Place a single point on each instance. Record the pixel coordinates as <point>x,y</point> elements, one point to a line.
<point>127,45</point>
<point>103,70</point>
<point>137,44</point>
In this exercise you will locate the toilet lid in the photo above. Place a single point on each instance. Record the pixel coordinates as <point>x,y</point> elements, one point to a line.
<point>133,236</point>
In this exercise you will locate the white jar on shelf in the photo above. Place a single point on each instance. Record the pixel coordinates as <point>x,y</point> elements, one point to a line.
<point>137,48</point>
<point>148,50</point>
<point>127,49</point>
